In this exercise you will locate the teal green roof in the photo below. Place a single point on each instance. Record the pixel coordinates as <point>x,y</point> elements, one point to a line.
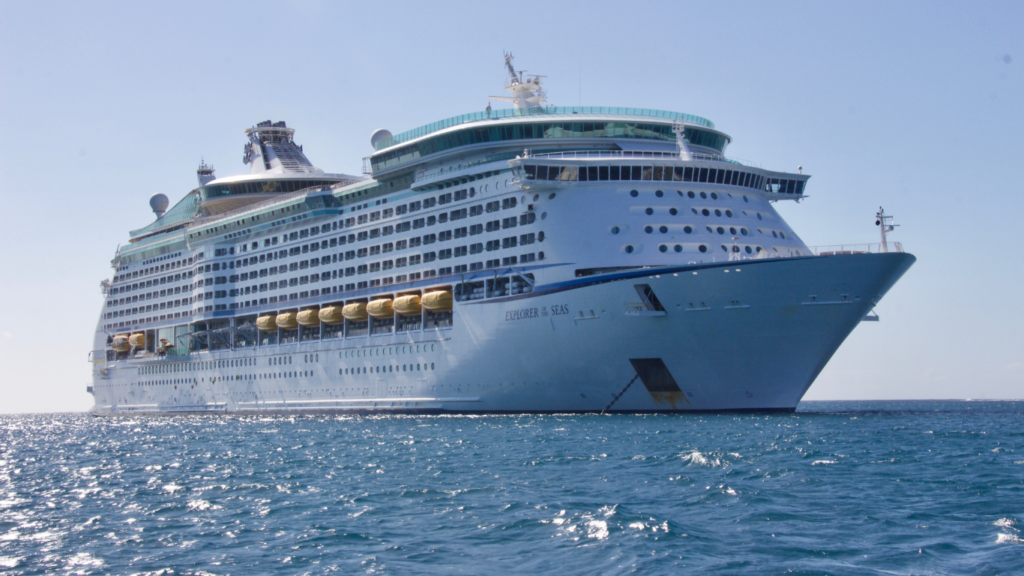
<point>546,111</point>
<point>186,209</point>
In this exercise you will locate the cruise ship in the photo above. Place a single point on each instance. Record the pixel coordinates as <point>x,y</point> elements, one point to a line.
<point>533,258</point>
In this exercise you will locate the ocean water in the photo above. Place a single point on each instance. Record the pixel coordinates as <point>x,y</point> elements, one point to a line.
<point>837,488</point>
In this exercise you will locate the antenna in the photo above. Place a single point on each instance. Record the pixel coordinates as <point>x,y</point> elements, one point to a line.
<point>885,225</point>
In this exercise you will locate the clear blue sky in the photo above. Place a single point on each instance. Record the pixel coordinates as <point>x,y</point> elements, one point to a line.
<point>916,106</point>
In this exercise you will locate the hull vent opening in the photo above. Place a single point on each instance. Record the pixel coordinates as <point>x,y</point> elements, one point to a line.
<point>659,381</point>
<point>649,299</point>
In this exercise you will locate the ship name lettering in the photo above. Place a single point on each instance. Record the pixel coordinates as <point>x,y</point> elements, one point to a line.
<point>521,314</point>
<point>559,309</point>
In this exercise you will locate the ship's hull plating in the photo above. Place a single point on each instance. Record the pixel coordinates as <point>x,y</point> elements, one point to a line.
<point>744,335</point>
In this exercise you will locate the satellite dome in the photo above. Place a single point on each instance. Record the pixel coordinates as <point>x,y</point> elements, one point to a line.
<point>158,202</point>
<point>379,135</point>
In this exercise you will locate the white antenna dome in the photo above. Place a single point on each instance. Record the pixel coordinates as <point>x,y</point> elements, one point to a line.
<point>158,202</point>
<point>379,135</point>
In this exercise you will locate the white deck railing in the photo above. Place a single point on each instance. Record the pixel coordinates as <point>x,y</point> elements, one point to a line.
<point>855,249</point>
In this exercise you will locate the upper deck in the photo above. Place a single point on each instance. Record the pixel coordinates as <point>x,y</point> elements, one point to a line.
<point>527,127</point>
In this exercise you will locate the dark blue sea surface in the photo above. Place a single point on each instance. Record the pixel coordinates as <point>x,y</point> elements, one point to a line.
<point>836,488</point>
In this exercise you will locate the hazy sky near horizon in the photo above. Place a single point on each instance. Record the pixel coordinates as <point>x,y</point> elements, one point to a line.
<point>914,106</point>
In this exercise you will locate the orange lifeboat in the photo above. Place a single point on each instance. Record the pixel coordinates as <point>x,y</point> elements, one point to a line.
<point>287,321</point>
<point>309,318</point>
<point>438,301</point>
<point>332,315</point>
<point>380,308</point>
<point>355,311</point>
<point>408,305</point>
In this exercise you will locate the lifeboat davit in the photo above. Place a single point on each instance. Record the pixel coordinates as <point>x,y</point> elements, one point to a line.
<point>408,305</point>
<point>309,318</point>
<point>355,311</point>
<point>120,343</point>
<point>266,323</point>
<point>380,308</point>
<point>137,339</point>
<point>438,301</point>
<point>287,321</point>
<point>331,315</point>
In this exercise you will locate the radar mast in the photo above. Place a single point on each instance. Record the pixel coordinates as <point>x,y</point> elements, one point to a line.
<point>526,90</point>
<point>885,225</point>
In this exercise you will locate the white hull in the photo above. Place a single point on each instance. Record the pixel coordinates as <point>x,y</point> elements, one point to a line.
<point>744,335</point>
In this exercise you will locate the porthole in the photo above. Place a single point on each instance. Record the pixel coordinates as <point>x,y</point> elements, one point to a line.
<point>648,229</point>
<point>540,236</point>
<point>783,235</point>
<point>687,229</point>
<point>615,229</point>
<point>673,211</point>
<point>757,249</point>
<point>679,248</point>
<point>694,210</point>
<point>743,231</point>
<point>663,248</point>
<point>732,231</point>
<point>703,194</point>
<point>774,235</point>
<point>634,193</point>
<point>629,249</point>
<point>745,199</point>
<point>536,197</point>
<point>714,196</point>
<point>706,212</point>
<point>690,194</point>
<point>680,192</point>
<point>728,213</point>
<point>663,229</point>
<point>759,216</point>
<point>659,193</point>
<point>747,248</point>
<point>718,212</point>
<point>472,192</point>
<point>543,215</point>
<point>710,229</point>
<point>721,230</point>
<point>724,248</point>
<point>702,248</point>
<point>551,196</point>
<point>649,211</point>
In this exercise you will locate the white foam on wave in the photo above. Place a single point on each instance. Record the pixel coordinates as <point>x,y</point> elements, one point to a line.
<point>597,529</point>
<point>9,562</point>
<point>696,457</point>
<point>84,559</point>
<point>1005,538</point>
<point>199,505</point>
<point>823,462</point>
<point>1005,523</point>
